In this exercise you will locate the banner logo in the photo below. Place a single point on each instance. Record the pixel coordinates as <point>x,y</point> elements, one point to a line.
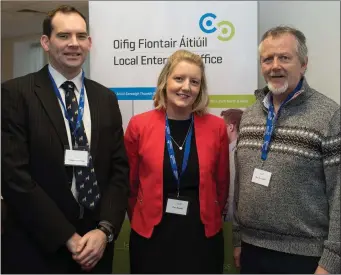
<point>226,28</point>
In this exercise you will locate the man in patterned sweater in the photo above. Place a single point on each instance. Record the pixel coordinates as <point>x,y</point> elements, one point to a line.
<point>287,217</point>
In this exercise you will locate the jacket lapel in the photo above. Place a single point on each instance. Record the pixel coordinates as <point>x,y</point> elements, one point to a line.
<point>156,142</point>
<point>199,128</point>
<point>49,100</point>
<point>93,101</point>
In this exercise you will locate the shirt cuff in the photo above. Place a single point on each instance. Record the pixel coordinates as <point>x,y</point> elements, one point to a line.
<point>107,225</point>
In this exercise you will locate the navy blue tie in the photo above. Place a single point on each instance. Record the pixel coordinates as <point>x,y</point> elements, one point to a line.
<point>86,182</point>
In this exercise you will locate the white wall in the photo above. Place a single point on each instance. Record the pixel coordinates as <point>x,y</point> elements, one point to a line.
<point>320,22</point>
<point>10,59</point>
<point>28,57</point>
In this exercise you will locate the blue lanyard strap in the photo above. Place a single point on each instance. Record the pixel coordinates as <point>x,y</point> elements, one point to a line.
<point>73,125</point>
<point>272,118</point>
<point>172,155</point>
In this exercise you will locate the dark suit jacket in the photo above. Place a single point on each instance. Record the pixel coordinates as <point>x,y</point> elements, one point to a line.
<point>35,183</point>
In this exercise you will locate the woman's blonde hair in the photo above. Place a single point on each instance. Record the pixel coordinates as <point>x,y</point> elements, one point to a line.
<point>160,97</point>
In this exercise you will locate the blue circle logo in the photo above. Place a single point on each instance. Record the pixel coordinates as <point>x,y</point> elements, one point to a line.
<point>207,25</point>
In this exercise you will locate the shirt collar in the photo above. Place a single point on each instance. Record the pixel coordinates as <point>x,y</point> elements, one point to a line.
<point>60,79</point>
<point>266,100</point>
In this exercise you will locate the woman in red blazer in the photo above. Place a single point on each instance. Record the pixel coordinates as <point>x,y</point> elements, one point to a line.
<point>179,177</point>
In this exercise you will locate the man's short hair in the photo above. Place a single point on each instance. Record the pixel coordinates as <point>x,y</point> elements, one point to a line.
<point>302,49</point>
<point>47,23</point>
<point>232,116</point>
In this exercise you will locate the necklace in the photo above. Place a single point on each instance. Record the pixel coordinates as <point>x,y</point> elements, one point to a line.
<point>182,145</point>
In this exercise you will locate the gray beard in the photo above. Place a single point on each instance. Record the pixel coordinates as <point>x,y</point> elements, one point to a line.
<point>280,90</point>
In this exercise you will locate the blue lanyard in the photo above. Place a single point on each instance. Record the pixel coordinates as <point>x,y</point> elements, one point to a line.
<point>271,121</point>
<point>73,125</point>
<point>172,155</point>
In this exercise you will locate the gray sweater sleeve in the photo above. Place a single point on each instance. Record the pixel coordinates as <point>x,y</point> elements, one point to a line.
<point>331,147</point>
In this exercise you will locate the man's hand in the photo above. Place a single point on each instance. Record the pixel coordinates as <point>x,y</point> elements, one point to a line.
<point>236,256</point>
<point>321,270</point>
<point>72,243</point>
<point>90,249</point>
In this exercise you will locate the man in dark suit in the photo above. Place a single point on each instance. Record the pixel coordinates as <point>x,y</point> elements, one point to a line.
<point>64,166</point>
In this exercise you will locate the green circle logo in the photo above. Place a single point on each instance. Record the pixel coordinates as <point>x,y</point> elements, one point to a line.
<point>227,30</point>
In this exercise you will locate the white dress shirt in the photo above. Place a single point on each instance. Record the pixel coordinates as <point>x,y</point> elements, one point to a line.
<point>59,80</point>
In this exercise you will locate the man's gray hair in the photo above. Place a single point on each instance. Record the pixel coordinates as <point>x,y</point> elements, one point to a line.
<point>302,49</point>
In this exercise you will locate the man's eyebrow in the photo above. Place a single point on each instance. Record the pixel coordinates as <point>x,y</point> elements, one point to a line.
<point>66,32</point>
<point>275,54</point>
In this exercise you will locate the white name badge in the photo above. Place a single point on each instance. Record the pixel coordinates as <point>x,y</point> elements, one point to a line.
<point>76,158</point>
<point>178,207</point>
<point>261,177</point>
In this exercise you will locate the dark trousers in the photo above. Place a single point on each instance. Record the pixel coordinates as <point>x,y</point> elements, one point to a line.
<point>258,260</point>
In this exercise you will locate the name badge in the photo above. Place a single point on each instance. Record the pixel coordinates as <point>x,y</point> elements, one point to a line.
<point>261,177</point>
<point>178,207</point>
<point>76,158</point>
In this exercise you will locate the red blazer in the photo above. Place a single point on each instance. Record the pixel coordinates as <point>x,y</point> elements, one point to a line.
<point>145,143</point>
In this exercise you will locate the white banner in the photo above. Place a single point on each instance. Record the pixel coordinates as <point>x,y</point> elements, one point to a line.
<point>131,44</point>
<point>132,40</point>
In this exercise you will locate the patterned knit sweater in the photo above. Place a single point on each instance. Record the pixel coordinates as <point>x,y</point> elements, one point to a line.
<point>299,212</point>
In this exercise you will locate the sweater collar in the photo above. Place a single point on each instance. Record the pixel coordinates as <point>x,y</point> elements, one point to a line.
<point>263,95</point>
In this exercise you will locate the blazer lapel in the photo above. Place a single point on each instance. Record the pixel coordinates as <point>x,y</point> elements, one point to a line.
<point>93,101</point>
<point>44,91</point>
<point>199,128</point>
<point>156,142</point>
